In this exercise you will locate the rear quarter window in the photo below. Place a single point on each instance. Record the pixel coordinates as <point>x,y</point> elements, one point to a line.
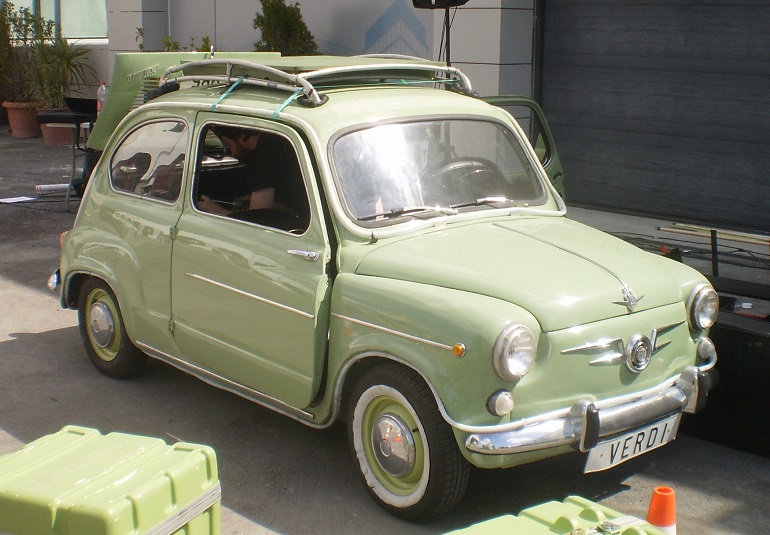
<point>149,162</point>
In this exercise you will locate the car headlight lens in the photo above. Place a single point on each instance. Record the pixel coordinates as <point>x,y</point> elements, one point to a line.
<point>515,352</point>
<point>704,306</point>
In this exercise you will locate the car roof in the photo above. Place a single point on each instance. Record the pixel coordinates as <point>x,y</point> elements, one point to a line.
<point>346,107</point>
<point>329,92</point>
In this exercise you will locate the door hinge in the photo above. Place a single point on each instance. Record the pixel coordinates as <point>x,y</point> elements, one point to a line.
<point>172,232</point>
<point>171,326</point>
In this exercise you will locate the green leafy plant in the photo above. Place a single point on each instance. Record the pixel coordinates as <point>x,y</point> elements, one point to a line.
<point>6,49</point>
<point>140,38</point>
<point>27,33</point>
<point>283,30</point>
<point>205,45</point>
<point>63,69</point>
<point>169,45</point>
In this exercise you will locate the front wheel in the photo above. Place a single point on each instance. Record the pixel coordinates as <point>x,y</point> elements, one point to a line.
<point>104,334</point>
<point>407,454</point>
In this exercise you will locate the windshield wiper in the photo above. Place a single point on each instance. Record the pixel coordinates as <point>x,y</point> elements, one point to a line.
<point>481,202</point>
<point>409,210</point>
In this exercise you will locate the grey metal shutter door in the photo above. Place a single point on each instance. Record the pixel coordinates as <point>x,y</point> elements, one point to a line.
<point>662,107</point>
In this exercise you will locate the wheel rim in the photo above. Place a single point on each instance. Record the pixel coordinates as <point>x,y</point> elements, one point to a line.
<point>393,445</point>
<point>389,441</point>
<point>102,324</point>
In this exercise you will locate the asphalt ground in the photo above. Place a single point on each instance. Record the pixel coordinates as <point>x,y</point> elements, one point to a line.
<point>277,475</point>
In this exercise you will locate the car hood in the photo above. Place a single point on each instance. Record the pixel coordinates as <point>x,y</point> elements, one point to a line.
<point>561,271</point>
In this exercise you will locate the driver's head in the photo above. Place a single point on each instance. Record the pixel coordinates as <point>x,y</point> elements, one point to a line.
<point>240,141</point>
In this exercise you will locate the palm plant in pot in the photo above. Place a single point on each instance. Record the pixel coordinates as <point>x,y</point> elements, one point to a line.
<point>5,57</point>
<point>24,34</point>
<point>62,71</point>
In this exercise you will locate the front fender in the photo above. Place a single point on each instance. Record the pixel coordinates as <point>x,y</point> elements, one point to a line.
<point>446,335</point>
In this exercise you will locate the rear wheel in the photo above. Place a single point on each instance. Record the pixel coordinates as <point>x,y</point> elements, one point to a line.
<point>407,454</point>
<point>104,334</point>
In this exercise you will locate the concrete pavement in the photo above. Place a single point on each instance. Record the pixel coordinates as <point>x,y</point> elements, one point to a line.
<point>277,475</point>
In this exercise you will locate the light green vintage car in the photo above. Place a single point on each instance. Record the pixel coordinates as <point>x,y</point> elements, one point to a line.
<point>412,271</point>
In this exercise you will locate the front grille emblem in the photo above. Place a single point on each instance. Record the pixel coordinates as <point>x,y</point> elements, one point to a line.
<point>637,354</point>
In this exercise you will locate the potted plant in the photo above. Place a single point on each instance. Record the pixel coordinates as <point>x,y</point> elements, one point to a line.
<point>5,57</point>
<point>62,70</point>
<point>283,30</point>
<point>26,32</point>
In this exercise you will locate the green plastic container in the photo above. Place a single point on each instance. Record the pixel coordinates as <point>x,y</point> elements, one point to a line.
<point>78,481</point>
<point>574,516</point>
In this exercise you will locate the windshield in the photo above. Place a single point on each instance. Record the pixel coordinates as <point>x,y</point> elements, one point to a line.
<point>428,168</point>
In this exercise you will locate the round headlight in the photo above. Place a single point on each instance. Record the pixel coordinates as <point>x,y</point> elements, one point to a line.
<point>515,352</point>
<point>703,305</point>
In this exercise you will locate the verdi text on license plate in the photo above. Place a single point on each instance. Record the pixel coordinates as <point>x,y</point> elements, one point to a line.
<point>620,449</point>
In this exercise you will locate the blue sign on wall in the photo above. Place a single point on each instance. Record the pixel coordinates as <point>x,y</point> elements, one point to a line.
<point>398,31</point>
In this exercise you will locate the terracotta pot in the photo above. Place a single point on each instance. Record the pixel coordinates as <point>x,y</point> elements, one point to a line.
<point>22,119</point>
<point>54,133</point>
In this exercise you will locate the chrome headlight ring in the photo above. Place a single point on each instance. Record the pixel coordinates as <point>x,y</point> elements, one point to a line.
<point>515,352</point>
<point>702,307</point>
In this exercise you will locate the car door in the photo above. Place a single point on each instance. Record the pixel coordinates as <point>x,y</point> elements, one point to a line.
<point>250,295</point>
<point>532,120</point>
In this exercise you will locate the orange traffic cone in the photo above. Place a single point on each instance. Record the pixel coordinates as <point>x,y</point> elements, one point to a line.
<point>662,511</point>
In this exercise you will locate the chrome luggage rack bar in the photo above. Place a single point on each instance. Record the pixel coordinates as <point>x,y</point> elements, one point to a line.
<point>245,72</point>
<point>396,70</point>
<point>285,81</point>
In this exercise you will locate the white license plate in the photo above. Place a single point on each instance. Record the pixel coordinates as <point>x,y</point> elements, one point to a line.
<point>619,450</point>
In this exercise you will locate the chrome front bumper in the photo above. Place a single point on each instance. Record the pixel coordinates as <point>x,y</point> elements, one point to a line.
<point>585,423</point>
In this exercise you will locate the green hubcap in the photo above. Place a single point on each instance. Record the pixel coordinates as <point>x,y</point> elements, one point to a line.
<point>101,325</point>
<point>393,445</point>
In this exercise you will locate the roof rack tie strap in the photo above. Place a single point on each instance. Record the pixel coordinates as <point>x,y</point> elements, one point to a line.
<point>286,102</point>
<point>229,89</point>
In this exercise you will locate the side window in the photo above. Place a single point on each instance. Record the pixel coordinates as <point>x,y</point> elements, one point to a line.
<point>251,175</point>
<point>150,161</point>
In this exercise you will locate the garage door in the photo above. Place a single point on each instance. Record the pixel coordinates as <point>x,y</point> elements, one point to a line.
<point>662,107</point>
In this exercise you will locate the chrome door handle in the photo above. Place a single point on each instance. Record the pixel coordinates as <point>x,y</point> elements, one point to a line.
<point>307,255</point>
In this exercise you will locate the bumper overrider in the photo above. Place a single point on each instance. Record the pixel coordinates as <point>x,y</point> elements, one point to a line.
<point>584,424</point>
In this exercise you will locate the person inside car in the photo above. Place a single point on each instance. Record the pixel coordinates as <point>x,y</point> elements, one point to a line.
<point>257,177</point>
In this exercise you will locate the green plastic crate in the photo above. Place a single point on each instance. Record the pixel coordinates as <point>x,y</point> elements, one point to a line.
<point>78,481</point>
<point>573,516</point>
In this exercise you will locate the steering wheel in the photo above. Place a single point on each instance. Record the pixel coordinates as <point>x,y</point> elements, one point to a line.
<point>465,175</point>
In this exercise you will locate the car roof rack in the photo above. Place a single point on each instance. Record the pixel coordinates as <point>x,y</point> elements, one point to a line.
<point>243,72</point>
<point>304,76</point>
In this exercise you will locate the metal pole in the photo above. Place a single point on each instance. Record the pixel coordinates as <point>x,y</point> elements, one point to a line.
<point>447,28</point>
<point>57,18</point>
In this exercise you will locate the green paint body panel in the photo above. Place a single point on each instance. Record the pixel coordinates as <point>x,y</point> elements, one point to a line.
<point>574,515</point>
<point>244,307</point>
<point>78,481</point>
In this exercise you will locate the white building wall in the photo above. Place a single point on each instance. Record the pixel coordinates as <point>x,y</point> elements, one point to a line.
<point>491,40</point>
